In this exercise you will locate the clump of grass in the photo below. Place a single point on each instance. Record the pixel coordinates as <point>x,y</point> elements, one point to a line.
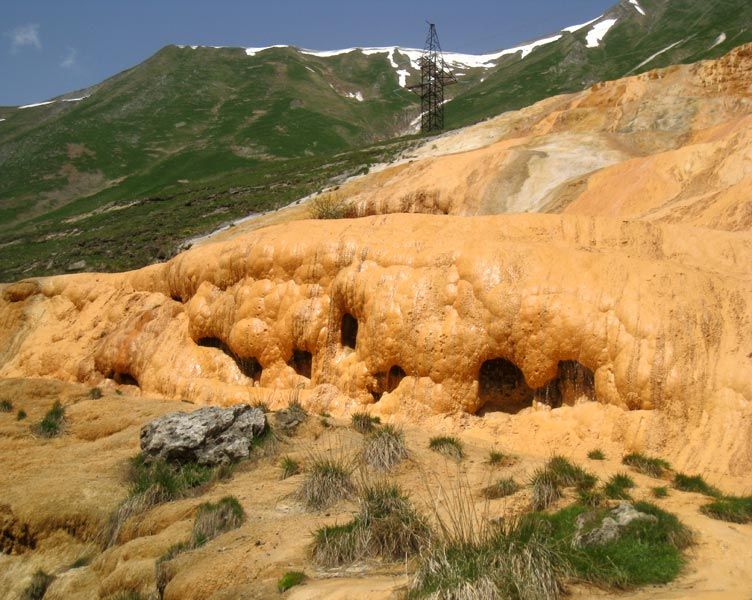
<point>647,465</point>
<point>660,492</point>
<point>387,526</point>
<point>501,489</point>
<point>363,422</point>
<point>448,446</point>
<point>213,519</point>
<point>591,498</point>
<point>290,579</point>
<point>328,480</point>
<point>733,509</point>
<point>6,406</point>
<point>570,475</point>
<point>546,489</point>
<point>616,487</point>
<point>261,405</point>
<point>330,205</point>
<point>499,459</point>
<point>52,423</point>
<point>325,422</point>
<point>596,454</point>
<point>512,561</point>
<point>154,482</point>
<point>21,415</point>
<point>695,483</point>
<point>37,587</point>
<point>289,467</point>
<point>384,447</point>
<point>95,393</point>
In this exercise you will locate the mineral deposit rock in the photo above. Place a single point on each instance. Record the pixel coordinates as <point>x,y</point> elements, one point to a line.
<point>208,436</point>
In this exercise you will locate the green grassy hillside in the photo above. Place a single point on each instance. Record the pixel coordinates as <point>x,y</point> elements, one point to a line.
<point>195,137</point>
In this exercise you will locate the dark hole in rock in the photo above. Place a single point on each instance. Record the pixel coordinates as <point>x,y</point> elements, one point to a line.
<point>502,387</point>
<point>572,382</point>
<point>123,379</point>
<point>248,365</point>
<point>349,332</point>
<point>177,298</point>
<point>393,378</point>
<point>302,362</point>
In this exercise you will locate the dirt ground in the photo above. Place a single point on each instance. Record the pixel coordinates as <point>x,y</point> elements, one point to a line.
<point>56,495</point>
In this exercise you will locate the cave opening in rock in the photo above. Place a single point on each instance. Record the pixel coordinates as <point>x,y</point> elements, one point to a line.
<point>393,378</point>
<point>502,387</point>
<point>302,362</point>
<point>123,378</point>
<point>248,365</point>
<point>349,331</point>
<point>573,382</point>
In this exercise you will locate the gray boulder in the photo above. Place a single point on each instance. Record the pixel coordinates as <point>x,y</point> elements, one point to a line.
<point>209,436</point>
<point>596,529</point>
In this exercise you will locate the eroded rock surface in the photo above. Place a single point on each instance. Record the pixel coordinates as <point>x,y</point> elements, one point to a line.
<point>208,436</point>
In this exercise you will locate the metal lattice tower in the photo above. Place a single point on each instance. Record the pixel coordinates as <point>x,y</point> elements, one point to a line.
<point>434,75</point>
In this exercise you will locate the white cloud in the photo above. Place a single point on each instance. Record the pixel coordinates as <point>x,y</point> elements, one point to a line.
<point>69,61</point>
<point>26,35</point>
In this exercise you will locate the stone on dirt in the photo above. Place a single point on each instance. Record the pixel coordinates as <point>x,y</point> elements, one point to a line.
<point>591,533</point>
<point>209,436</point>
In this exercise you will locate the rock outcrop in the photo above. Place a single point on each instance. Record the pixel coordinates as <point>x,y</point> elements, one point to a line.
<point>597,528</point>
<point>208,436</point>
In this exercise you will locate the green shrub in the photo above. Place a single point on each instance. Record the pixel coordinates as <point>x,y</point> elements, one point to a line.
<point>363,422</point>
<point>52,423</point>
<point>616,487</point>
<point>95,393</point>
<point>6,406</point>
<point>591,498</point>
<point>695,483</point>
<point>384,448</point>
<point>37,587</point>
<point>647,465</point>
<point>214,519</point>
<point>327,481</point>
<point>81,561</point>
<point>448,446</point>
<point>660,492</point>
<point>386,526</point>
<point>546,489</point>
<point>290,579</point>
<point>596,454</point>
<point>733,509</point>
<point>21,415</point>
<point>289,467</point>
<point>501,489</point>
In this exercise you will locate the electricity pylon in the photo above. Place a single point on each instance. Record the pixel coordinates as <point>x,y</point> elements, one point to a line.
<point>434,75</point>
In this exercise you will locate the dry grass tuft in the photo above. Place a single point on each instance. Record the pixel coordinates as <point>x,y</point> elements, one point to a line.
<point>384,448</point>
<point>329,480</point>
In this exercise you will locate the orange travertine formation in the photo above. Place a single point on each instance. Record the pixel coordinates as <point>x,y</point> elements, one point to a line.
<point>420,314</point>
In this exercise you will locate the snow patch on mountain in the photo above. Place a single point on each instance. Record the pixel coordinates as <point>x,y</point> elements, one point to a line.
<point>403,75</point>
<point>355,96</point>
<point>719,40</point>
<point>598,32</point>
<point>574,28</point>
<point>637,6</point>
<point>1,120</point>
<point>657,54</point>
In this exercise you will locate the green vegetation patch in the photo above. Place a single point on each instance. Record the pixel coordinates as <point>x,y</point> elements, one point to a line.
<point>288,467</point>
<point>214,519</point>
<point>596,454</point>
<point>363,422</point>
<point>6,406</point>
<point>696,484</point>
<point>448,446</point>
<point>733,509</point>
<point>328,480</point>
<point>501,489</point>
<point>52,423</point>
<point>37,587</point>
<point>647,465</point>
<point>618,485</point>
<point>290,579</point>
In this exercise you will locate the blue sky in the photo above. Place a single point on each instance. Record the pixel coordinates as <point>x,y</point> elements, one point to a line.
<point>49,47</point>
